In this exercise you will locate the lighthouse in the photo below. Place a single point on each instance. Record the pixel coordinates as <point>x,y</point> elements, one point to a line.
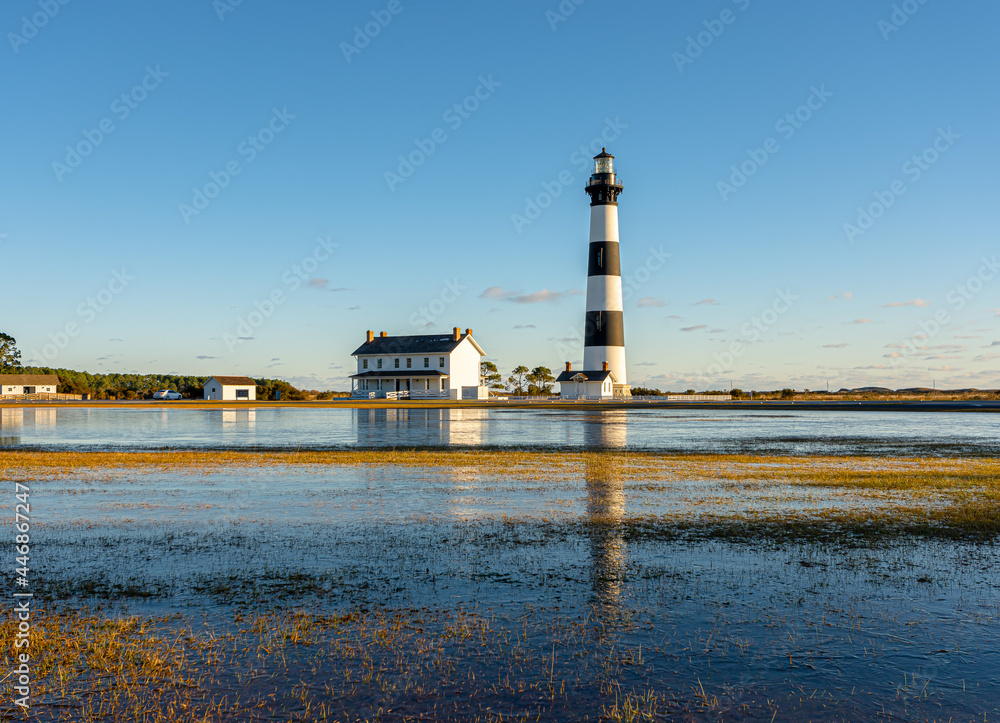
<point>604,329</point>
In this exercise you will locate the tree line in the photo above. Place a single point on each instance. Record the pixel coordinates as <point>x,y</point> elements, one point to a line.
<point>142,386</point>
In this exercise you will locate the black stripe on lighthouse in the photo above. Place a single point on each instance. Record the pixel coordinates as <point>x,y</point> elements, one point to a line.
<point>604,328</point>
<point>604,259</point>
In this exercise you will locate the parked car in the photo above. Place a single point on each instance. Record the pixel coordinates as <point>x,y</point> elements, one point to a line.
<point>167,394</point>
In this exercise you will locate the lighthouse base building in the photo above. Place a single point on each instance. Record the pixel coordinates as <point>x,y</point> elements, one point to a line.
<point>593,386</point>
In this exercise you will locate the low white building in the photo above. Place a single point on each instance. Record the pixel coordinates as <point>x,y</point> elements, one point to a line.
<point>231,389</point>
<point>425,366</point>
<point>593,385</point>
<point>18,384</point>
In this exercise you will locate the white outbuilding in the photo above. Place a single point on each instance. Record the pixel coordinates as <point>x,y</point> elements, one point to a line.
<point>425,366</point>
<point>18,384</point>
<point>236,389</point>
<point>592,385</point>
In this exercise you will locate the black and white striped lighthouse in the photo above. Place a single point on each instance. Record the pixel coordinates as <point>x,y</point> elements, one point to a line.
<point>604,330</point>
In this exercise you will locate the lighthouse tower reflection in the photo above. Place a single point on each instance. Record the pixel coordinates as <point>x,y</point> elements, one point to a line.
<point>605,508</point>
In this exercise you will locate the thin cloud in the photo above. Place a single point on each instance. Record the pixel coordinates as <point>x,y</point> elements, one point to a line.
<point>535,297</point>
<point>834,346</point>
<point>911,302</point>
<point>650,301</point>
<point>694,328</point>
<point>524,326</point>
<point>844,295</point>
<point>205,356</point>
<point>674,316</point>
<point>716,331</point>
<point>859,321</point>
<point>353,308</point>
<point>942,369</point>
<point>646,364</point>
<point>876,366</point>
<point>318,283</point>
<point>986,357</point>
<point>709,301</point>
<point>116,339</point>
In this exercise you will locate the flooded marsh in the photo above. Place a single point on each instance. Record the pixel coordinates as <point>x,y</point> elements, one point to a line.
<point>511,584</point>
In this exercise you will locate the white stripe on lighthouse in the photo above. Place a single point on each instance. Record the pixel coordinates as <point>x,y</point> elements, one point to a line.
<point>595,356</point>
<point>604,293</point>
<point>604,223</point>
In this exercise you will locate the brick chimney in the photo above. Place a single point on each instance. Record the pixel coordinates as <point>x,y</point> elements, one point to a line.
<point>383,334</point>
<point>468,332</point>
<point>371,336</point>
<point>456,333</point>
<point>604,367</point>
<point>569,367</point>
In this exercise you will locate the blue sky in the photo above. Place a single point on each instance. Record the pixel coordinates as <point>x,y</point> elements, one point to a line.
<point>835,258</point>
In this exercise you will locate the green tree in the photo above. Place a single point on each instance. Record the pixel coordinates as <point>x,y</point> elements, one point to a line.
<point>10,355</point>
<point>541,380</point>
<point>489,375</point>
<point>787,393</point>
<point>517,378</point>
<point>737,393</point>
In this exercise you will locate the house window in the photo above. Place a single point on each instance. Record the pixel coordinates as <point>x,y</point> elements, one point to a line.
<point>427,362</point>
<point>364,363</point>
<point>379,363</point>
<point>441,362</point>
<point>408,365</point>
<point>242,393</point>
<point>397,363</point>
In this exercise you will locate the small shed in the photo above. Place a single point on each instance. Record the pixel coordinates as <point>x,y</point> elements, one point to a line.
<point>235,389</point>
<point>591,385</point>
<point>18,384</point>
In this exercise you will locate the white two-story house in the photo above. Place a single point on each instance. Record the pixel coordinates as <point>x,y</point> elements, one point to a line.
<point>425,366</point>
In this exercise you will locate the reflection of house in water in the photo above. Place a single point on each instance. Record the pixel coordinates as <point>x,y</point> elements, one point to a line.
<point>420,427</point>
<point>11,424</point>
<point>239,418</point>
<point>606,507</point>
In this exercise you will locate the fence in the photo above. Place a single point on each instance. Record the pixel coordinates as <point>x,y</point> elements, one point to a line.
<point>40,397</point>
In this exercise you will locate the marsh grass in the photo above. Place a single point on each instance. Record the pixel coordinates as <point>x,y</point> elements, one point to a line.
<point>926,497</point>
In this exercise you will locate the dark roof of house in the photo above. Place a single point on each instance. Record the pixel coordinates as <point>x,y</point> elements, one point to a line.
<point>400,373</point>
<point>29,379</point>
<point>416,344</point>
<point>234,381</point>
<point>598,376</point>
